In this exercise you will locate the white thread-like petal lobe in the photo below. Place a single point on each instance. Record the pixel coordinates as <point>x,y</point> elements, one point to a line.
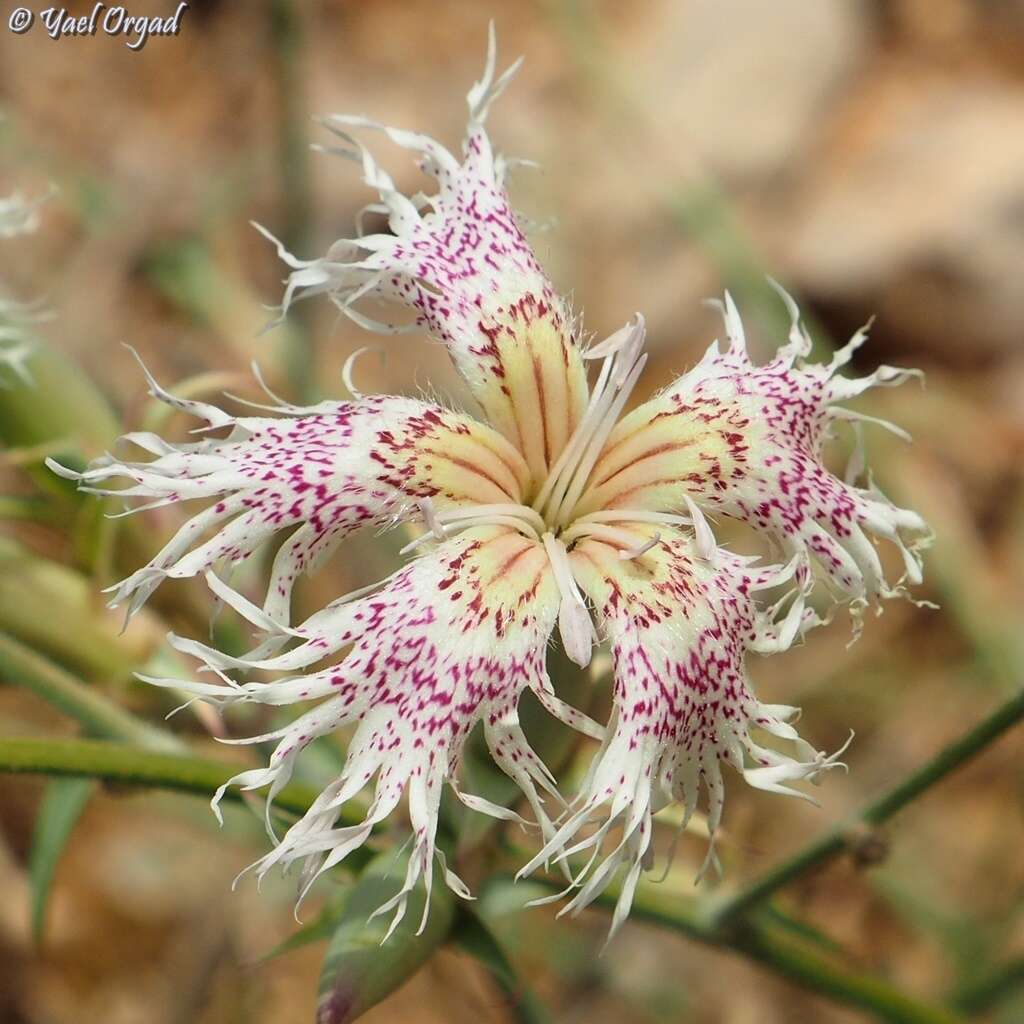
<point>322,471</point>
<point>680,628</point>
<point>747,441</point>
<point>461,261</point>
<point>449,641</point>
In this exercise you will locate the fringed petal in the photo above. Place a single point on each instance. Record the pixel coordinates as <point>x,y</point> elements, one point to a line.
<point>679,630</point>
<point>18,216</point>
<point>461,261</point>
<point>449,641</point>
<point>324,471</point>
<point>746,441</point>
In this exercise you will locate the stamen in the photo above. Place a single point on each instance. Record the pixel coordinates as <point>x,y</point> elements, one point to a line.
<point>706,544</point>
<point>579,438</point>
<point>628,543</point>
<point>631,334</point>
<point>606,423</point>
<point>574,622</point>
<point>623,363</point>
<point>641,549</point>
<point>506,509</point>
<point>626,515</point>
<point>430,517</point>
<point>441,525</point>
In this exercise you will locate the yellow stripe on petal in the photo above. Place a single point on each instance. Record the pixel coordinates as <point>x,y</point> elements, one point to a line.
<point>528,376</point>
<point>322,472</point>
<point>747,441</point>
<point>465,461</point>
<point>461,261</point>
<point>665,448</point>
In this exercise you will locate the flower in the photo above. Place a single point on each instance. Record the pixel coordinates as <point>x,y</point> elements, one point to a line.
<point>18,216</point>
<point>550,511</point>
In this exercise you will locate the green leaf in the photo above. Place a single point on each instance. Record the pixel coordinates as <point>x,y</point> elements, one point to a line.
<point>474,937</point>
<point>60,810</point>
<point>360,969</point>
<point>53,610</point>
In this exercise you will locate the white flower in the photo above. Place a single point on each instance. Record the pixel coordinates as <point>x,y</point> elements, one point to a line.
<point>18,216</point>
<point>548,510</point>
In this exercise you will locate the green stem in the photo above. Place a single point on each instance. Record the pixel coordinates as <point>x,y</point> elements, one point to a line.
<point>837,841</point>
<point>98,715</point>
<point>792,959</point>
<point>775,945</point>
<point>758,940</point>
<point>979,996</point>
<point>293,164</point>
<point>117,762</point>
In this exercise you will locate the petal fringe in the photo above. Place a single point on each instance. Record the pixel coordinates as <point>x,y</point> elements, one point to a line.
<point>679,628</point>
<point>746,441</point>
<point>460,260</point>
<point>449,641</point>
<point>323,472</point>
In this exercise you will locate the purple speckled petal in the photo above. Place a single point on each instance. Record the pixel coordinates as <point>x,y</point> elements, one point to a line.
<point>679,629</point>
<point>449,641</point>
<point>747,441</point>
<point>460,260</point>
<point>323,471</point>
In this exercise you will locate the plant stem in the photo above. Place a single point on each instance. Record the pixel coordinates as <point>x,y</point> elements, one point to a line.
<point>981,995</point>
<point>117,762</point>
<point>775,946</point>
<point>98,715</point>
<point>792,959</point>
<point>286,35</point>
<point>757,939</point>
<point>835,842</point>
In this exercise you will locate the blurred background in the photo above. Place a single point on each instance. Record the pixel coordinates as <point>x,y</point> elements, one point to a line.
<point>869,155</point>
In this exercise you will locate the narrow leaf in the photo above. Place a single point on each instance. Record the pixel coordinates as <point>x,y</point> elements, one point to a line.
<point>60,810</point>
<point>100,716</point>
